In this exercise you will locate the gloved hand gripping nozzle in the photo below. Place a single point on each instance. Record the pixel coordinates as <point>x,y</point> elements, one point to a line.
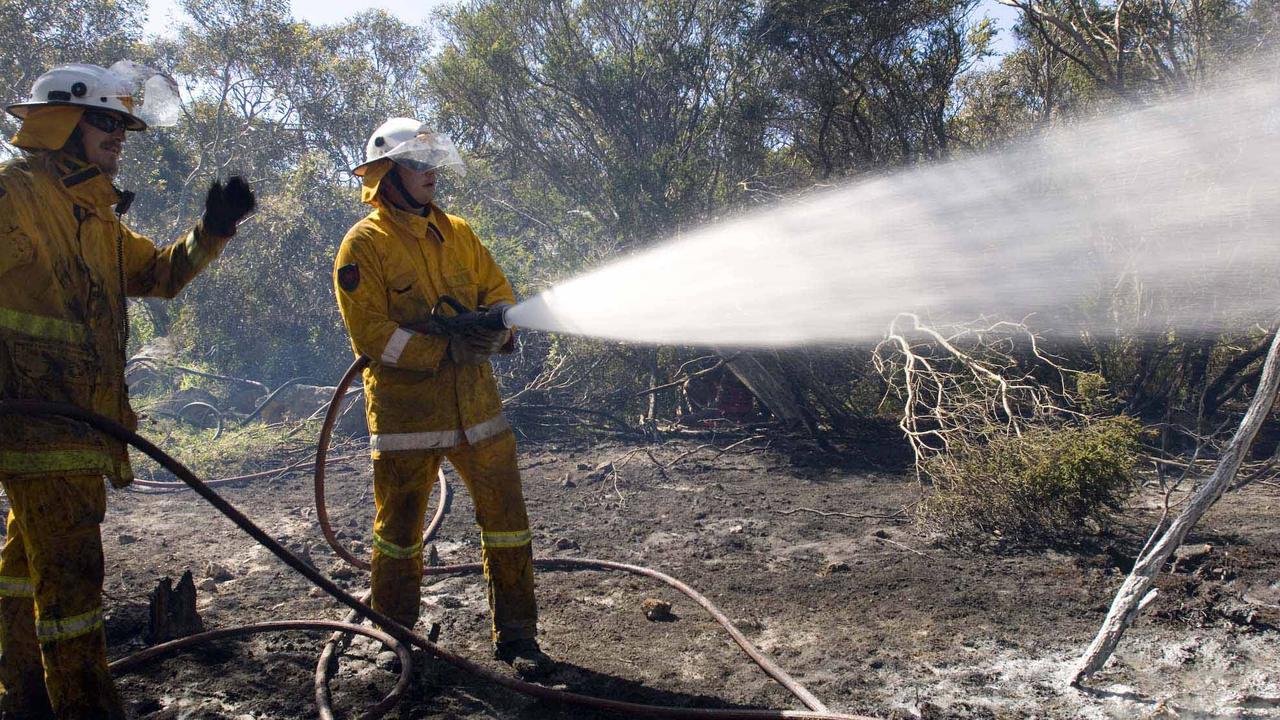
<point>473,335</point>
<point>464,319</point>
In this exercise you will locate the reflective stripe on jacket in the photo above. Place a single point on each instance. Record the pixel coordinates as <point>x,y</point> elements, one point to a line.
<point>391,269</point>
<point>66,262</point>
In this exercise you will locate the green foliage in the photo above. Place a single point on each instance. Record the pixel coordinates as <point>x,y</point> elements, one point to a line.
<point>239,450</point>
<point>866,85</point>
<point>1039,487</point>
<point>266,310</point>
<point>635,111</point>
<point>289,106</point>
<point>599,127</point>
<point>1093,393</point>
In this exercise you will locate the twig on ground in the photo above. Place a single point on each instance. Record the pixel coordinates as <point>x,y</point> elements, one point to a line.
<point>622,500</point>
<point>907,548</point>
<point>142,359</point>
<point>719,451</point>
<point>661,470</point>
<point>830,513</point>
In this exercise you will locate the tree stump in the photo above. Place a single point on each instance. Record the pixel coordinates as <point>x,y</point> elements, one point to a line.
<point>173,610</point>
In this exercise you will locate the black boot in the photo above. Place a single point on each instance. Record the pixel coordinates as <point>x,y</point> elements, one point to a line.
<point>525,657</point>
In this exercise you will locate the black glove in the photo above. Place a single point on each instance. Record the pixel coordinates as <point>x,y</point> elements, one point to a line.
<point>486,342</point>
<point>227,205</point>
<point>461,353</point>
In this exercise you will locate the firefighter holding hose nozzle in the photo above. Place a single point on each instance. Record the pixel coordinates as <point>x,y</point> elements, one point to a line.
<point>67,263</point>
<point>408,279</point>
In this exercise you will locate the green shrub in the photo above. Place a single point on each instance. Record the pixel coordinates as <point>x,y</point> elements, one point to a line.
<point>1040,487</point>
<point>1094,393</point>
<point>238,450</point>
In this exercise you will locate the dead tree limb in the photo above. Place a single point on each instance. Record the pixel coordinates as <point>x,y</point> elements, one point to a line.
<point>719,450</point>
<point>1136,590</point>
<point>143,359</point>
<point>681,378</point>
<point>533,407</point>
<point>963,387</point>
<point>550,378</point>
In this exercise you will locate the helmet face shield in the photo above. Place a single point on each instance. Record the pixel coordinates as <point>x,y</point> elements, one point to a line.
<point>154,94</point>
<point>428,151</point>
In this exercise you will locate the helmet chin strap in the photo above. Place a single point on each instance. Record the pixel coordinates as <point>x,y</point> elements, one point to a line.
<point>405,195</point>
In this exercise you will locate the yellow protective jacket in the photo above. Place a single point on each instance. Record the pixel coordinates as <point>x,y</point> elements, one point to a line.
<point>66,264</point>
<point>391,269</point>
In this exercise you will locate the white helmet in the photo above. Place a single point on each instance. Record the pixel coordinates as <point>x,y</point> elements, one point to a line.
<point>412,144</point>
<point>115,88</point>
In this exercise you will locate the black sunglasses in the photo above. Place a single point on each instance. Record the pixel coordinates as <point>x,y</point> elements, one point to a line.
<point>107,122</point>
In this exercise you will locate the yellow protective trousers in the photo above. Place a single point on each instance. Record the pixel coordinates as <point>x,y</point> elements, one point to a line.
<point>401,487</point>
<point>53,652</point>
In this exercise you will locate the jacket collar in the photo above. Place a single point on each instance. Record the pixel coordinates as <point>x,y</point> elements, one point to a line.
<point>85,183</point>
<point>413,224</point>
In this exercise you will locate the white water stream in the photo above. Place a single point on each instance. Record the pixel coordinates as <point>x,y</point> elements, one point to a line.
<point>1180,200</point>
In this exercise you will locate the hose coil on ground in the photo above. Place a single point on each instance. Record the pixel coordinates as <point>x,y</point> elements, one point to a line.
<point>401,633</point>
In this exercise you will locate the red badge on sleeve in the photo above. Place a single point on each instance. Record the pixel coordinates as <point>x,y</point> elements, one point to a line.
<point>349,277</point>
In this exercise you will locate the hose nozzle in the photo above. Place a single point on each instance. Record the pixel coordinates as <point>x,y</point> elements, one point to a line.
<point>464,318</point>
<point>494,318</point>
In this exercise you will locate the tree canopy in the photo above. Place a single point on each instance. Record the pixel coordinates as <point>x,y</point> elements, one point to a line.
<point>596,127</point>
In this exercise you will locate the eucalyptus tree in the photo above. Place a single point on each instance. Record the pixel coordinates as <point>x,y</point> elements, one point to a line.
<point>639,111</point>
<point>865,85</point>
<point>290,105</point>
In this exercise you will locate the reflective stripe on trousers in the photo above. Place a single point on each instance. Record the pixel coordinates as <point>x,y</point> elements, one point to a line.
<point>54,649</point>
<point>438,439</point>
<point>402,487</point>
<point>398,552</point>
<point>56,629</point>
<point>506,539</point>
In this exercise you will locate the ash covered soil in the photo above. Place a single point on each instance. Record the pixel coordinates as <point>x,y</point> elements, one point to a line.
<point>870,614</point>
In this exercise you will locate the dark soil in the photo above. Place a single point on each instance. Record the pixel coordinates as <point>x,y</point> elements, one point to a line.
<point>872,616</point>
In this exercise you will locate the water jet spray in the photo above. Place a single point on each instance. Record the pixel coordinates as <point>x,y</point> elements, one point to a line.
<point>1171,209</point>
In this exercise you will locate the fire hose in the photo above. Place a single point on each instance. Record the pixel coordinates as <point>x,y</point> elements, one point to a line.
<point>395,631</point>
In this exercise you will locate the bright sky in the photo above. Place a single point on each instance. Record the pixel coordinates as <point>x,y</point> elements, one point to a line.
<point>163,13</point>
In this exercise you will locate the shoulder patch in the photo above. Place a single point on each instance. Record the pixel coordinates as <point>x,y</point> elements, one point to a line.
<point>349,277</point>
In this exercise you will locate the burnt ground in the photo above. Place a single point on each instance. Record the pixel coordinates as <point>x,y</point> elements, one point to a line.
<point>872,616</point>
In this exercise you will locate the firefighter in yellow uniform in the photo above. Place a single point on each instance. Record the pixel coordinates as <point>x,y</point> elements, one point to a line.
<point>66,265</point>
<point>428,396</point>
